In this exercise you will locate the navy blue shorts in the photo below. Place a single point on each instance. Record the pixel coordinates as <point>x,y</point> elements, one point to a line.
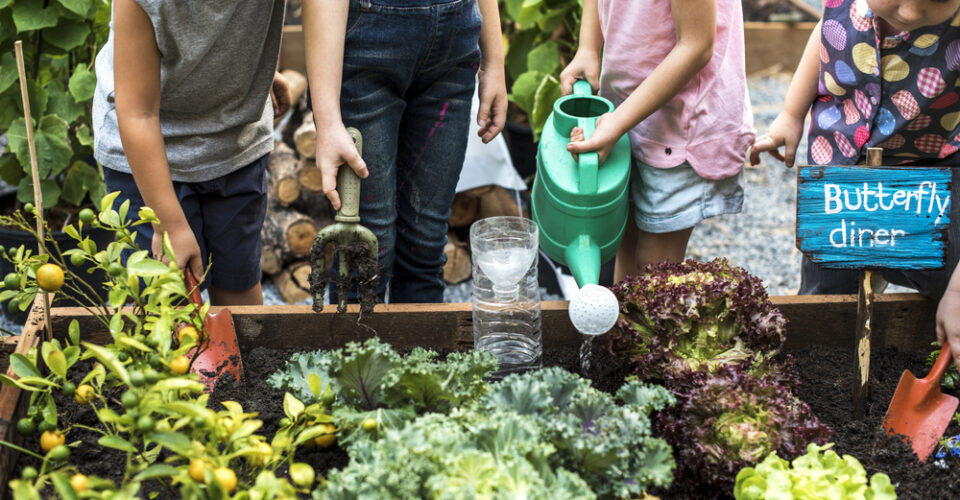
<point>226,215</point>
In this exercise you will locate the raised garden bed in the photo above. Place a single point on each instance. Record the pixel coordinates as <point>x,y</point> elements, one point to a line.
<point>819,335</point>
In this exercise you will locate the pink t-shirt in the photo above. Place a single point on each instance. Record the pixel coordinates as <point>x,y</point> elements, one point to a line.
<point>708,123</point>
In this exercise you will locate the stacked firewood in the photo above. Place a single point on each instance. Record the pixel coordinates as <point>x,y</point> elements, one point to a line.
<point>297,208</point>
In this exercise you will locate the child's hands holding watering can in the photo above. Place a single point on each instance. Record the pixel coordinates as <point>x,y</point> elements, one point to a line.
<point>584,66</point>
<point>603,139</point>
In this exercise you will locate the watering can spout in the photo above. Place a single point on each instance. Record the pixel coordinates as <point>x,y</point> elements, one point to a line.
<point>583,258</point>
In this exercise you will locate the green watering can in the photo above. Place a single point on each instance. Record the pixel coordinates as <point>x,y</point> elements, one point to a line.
<point>580,206</point>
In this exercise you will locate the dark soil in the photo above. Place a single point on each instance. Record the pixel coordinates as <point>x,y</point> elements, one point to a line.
<point>826,374</point>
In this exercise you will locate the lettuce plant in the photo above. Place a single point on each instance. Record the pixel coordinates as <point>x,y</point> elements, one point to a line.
<point>820,474</point>
<point>729,419</point>
<point>677,317</point>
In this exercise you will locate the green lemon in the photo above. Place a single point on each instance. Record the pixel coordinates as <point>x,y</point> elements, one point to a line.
<point>26,427</point>
<point>136,378</point>
<point>145,424</point>
<point>87,216</point>
<point>69,388</point>
<point>60,453</point>
<point>302,474</point>
<point>28,474</point>
<point>129,399</point>
<point>13,306</point>
<point>11,281</point>
<point>77,259</point>
<point>28,208</point>
<point>115,269</point>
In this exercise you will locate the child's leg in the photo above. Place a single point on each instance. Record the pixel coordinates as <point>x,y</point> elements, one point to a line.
<point>668,203</point>
<point>430,152</point>
<point>232,209</point>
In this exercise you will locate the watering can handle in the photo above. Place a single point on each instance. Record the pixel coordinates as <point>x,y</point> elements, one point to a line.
<point>582,87</point>
<point>348,185</point>
<point>588,163</point>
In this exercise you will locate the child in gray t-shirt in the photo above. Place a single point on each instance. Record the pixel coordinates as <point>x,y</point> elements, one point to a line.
<point>183,123</point>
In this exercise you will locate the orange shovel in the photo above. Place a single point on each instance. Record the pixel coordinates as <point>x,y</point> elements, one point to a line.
<point>919,411</point>
<point>221,352</point>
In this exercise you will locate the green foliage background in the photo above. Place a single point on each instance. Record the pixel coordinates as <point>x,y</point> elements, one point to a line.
<point>60,42</point>
<point>541,39</point>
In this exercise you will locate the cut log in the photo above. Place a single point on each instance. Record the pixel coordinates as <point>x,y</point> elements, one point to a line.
<point>498,202</point>
<point>459,267</point>
<point>309,175</point>
<point>464,211</point>
<point>289,231</point>
<point>271,262</point>
<point>284,182</point>
<point>297,83</point>
<point>305,137</point>
<point>293,282</point>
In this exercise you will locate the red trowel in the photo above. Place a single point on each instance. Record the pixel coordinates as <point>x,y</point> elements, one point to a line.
<point>919,411</point>
<point>220,352</point>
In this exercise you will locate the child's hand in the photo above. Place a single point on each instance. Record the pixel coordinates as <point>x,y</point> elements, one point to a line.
<point>602,140</point>
<point>280,96</point>
<point>492,113</point>
<point>584,66</point>
<point>335,148</point>
<point>785,130</point>
<point>185,248</point>
<point>948,322</point>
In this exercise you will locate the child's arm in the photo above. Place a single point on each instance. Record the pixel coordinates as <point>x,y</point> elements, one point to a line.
<point>948,317</point>
<point>491,86</point>
<point>586,63</point>
<point>324,30</point>
<point>787,128</point>
<point>695,23</point>
<point>137,88</point>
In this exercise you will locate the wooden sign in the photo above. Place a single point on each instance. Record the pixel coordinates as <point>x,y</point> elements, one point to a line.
<point>861,217</point>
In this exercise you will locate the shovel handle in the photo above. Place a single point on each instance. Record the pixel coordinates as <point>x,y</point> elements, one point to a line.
<point>191,281</point>
<point>943,360</point>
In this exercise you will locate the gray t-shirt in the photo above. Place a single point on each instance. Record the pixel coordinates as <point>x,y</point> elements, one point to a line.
<point>217,61</point>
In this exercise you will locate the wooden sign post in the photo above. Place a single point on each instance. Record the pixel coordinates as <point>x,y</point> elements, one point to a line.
<point>870,218</point>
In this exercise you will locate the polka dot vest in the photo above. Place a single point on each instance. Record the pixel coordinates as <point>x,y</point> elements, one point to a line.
<point>899,93</point>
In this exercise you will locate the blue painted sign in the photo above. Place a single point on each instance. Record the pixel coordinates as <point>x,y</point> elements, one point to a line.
<point>859,217</point>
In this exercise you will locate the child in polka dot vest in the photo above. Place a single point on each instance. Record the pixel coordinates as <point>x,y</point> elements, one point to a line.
<point>880,73</point>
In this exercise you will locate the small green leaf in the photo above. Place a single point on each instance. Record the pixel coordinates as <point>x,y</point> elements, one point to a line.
<point>9,74</point>
<point>107,201</point>
<point>10,170</point>
<point>117,443</point>
<point>246,429</point>
<point>547,93</point>
<point>23,367</point>
<point>315,384</point>
<point>524,89</point>
<point>83,82</point>
<point>5,380</point>
<point>67,34</point>
<point>173,441</point>
<point>31,15</point>
<point>109,360</point>
<point>78,7</point>
<point>148,268</point>
<point>544,58</point>
<point>118,297</point>
<point>132,342</point>
<point>157,471</point>
<point>178,384</point>
<point>37,381</point>
<point>72,354</point>
<point>74,332</point>
<point>61,103</point>
<point>292,406</point>
<point>311,433</point>
<point>57,363</point>
<point>84,136</point>
<point>63,487</point>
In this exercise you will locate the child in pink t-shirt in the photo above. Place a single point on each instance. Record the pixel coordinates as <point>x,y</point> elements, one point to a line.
<point>676,75</point>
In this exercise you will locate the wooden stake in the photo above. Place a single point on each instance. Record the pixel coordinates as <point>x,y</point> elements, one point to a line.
<point>864,316</point>
<point>37,195</point>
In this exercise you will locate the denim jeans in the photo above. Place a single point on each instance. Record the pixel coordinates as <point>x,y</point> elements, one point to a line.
<point>409,70</point>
